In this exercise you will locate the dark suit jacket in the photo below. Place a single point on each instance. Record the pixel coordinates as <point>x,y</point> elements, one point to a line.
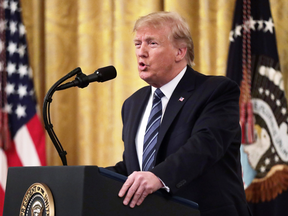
<point>198,143</point>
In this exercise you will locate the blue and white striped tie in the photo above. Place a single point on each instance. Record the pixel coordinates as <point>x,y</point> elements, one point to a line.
<point>151,133</point>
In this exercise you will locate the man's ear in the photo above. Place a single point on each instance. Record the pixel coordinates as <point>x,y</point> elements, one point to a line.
<point>181,53</point>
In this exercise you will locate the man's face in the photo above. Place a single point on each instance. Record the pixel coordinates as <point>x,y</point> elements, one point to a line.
<point>156,55</point>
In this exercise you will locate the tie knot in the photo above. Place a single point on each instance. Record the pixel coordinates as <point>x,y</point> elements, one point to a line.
<point>158,93</point>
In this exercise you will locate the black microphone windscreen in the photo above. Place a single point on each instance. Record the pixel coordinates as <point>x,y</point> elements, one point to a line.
<point>106,73</point>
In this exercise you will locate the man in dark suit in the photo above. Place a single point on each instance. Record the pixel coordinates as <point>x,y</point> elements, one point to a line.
<point>194,153</point>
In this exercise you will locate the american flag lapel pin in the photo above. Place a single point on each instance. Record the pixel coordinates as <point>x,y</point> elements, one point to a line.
<point>181,99</point>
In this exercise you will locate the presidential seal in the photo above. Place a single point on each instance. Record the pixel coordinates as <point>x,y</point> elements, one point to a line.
<point>38,201</point>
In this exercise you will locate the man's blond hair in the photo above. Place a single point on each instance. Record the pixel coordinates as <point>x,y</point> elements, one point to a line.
<point>180,33</point>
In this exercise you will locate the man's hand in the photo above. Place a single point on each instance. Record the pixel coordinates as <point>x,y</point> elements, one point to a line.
<point>139,185</point>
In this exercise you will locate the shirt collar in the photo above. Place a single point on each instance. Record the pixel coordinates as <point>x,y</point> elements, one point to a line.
<point>169,87</point>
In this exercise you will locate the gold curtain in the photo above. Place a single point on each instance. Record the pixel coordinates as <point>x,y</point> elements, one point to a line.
<point>65,34</point>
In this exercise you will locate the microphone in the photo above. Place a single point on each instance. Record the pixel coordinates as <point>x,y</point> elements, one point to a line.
<point>82,80</point>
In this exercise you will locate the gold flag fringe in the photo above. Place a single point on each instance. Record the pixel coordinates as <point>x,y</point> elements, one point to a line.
<point>269,187</point>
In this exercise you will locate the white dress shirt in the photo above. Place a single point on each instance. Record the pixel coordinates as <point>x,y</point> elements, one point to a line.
<point>167,90</point>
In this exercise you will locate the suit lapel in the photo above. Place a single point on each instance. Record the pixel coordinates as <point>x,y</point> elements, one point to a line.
<point>180,96</point>
<point>138,110</point>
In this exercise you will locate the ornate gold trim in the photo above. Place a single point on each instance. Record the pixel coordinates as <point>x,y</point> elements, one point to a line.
<point>269,187</point>
<point>38,189</point>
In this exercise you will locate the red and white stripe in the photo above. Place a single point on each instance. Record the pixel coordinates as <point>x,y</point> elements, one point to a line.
<point>28,149</point>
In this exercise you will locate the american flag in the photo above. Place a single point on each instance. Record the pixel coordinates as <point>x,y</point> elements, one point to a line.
<point>22,138</point>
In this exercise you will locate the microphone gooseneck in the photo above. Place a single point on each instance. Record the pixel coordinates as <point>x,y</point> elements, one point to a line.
<point>81,80</point>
